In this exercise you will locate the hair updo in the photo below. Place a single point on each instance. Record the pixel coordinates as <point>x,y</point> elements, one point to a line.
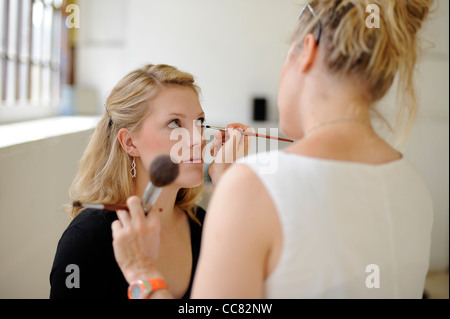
<point>371,56</point>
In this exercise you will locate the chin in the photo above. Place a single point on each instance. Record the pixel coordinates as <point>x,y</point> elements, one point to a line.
<point>191,175</point>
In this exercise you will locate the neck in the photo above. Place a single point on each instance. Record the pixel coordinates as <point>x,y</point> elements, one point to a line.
<point>350,120</point>
<point>330,103</point>
<point>166,201</point>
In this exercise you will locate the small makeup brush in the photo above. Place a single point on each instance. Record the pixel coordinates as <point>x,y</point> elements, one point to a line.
<point>223,129</point>
<point>163,171</point>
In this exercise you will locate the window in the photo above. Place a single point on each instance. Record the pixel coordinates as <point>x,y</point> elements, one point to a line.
<point>34,55</point>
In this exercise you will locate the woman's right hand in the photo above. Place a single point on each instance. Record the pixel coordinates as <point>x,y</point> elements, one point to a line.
<point>227,147</point>
<point>136,240</point>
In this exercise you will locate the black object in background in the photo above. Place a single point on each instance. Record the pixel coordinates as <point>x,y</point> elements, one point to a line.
<point>259,109</point>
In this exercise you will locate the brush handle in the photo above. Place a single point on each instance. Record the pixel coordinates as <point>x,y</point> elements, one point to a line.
<point>115,207</point>
<point>112,207</point>
<point>267,136</point>
<point>223,129</point>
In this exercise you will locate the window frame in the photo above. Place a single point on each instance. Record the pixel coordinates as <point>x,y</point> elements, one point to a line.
<point>34,72</point>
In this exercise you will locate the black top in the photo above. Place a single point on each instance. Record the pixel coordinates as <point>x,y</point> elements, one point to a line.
<point>87,244</point>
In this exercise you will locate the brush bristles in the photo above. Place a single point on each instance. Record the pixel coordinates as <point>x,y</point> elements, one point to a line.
<point>163,171</point>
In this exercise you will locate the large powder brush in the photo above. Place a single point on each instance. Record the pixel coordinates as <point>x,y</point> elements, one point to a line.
<point>163,172</point>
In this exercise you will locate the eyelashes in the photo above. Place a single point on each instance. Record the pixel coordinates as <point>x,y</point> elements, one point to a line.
<point>200,121</point>
<point>176,123</point>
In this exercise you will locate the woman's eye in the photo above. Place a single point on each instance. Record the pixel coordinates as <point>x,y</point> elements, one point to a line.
<point>174,124</point>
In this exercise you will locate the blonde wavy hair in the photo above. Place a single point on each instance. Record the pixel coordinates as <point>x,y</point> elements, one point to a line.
<point>104,170</point>
<point>372,56</point>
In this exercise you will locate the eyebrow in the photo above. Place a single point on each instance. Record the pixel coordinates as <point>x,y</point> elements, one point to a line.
<point>184,116</point>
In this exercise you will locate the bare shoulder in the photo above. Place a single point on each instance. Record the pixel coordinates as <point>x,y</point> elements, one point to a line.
<point>242,203</point>
<point>242,187</point>
<point>240,179</point>
<point>238,237</point>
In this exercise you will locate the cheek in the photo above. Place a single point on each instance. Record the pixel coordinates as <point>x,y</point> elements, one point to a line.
<point>155,145</point>
<point>150,147</point>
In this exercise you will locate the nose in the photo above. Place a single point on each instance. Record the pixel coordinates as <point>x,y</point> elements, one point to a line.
<point>196,138</point>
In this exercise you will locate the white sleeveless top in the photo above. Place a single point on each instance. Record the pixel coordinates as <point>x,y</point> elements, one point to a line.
<point>349,230</point>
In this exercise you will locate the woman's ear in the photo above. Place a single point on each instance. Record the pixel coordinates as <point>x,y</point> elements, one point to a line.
<point>126,141</point>
<point>309,53</point>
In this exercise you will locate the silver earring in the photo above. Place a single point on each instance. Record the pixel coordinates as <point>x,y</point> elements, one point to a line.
<point>133,168</point>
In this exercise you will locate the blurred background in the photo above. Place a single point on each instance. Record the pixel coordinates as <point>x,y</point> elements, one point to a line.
<point>60,59</point>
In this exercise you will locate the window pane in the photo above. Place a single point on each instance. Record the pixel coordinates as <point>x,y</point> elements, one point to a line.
<point>25,32</point>
<point>35,82</point>
<point>23,81</point>
<point>46,86</point>
<point>2,25</point>
<point>11,80</point>
<point>12,27</point>
<point>38,17</point>
<point>56,85</point>
<point>65,62</point>
<point>47,34</point>
<point>57,24</point>
<point>1,79</point>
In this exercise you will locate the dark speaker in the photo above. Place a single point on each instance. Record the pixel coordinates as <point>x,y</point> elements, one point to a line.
<point>259,109</point>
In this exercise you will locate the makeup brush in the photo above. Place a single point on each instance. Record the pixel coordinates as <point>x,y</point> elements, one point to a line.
<point>163,171</point>
<point>100,206</point>
<point>223,129</point>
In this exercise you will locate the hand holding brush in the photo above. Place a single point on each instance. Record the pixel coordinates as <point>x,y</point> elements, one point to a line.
<point>163,171</point>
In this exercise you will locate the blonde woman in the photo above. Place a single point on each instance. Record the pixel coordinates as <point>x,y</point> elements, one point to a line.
<point>142,112</point>
<point>346,215</point>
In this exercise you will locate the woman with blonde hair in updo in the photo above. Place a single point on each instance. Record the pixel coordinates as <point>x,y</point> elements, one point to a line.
<point>345,215</point>
<point>142,111</point>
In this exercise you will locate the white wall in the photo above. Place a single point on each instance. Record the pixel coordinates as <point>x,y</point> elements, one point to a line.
<point>234,48</point>
<point>34,182</point>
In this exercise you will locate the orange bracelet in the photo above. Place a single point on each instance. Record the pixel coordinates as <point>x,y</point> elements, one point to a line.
<point>141,289</point>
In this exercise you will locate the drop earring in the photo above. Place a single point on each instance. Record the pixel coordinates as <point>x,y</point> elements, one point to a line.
<point>133,168</point>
